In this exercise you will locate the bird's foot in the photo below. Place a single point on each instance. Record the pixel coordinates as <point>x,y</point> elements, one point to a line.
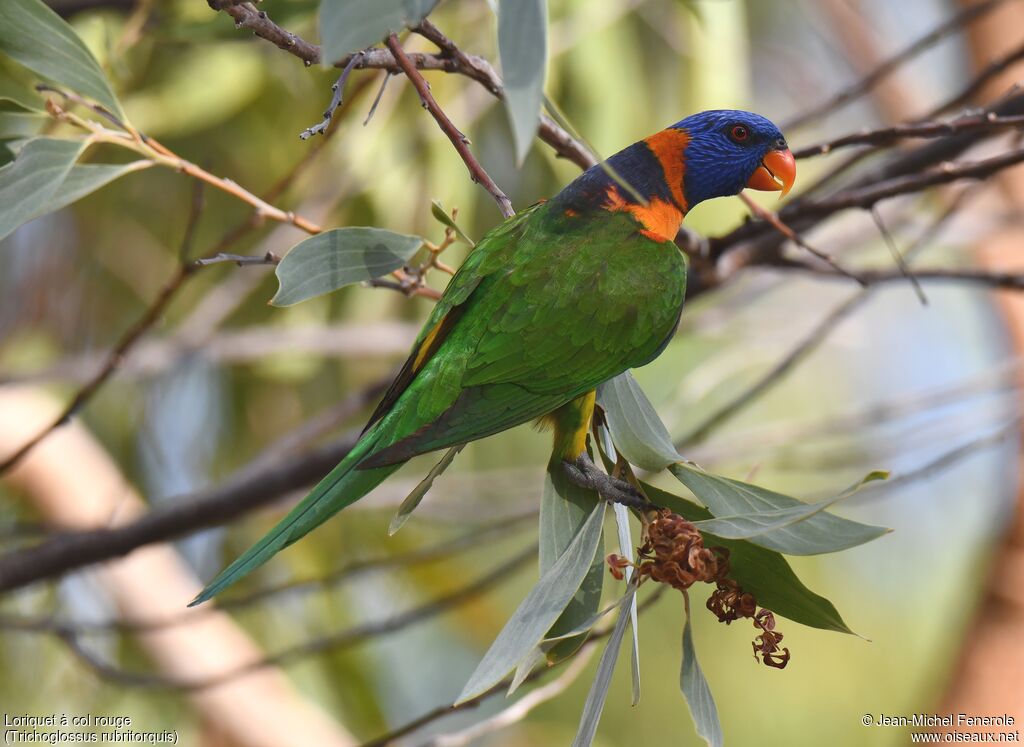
<point>583,472</point>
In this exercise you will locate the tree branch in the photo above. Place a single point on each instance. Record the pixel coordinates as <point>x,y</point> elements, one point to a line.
<point>459,141</point>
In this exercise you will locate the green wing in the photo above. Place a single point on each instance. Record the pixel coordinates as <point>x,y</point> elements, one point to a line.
<point>575,302</point>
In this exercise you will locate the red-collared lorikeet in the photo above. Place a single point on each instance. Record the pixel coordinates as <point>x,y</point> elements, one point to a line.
<point>551,303</point>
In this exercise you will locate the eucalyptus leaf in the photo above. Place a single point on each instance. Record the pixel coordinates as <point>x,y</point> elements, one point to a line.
<point>594,704</point>
<point>522,47</point>
<point>818,532</point>
<point>84,179</point>
<point>523,669</point>
<point>539,610</point>
<point>29,184</point>
<point>636,429</point>
<point>339,257</point>
<point>564,507</point>
<point>696,691</point>
<point>351,25</point>
<point>764,573</point>
<point>15,124</point>
<point>413,499</point>
<point>42,41</point>
<point>626,550</point>
<point>761,524</point>
<point>442,216</point>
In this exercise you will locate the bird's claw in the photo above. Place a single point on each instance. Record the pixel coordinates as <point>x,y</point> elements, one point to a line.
<point>583,472</point>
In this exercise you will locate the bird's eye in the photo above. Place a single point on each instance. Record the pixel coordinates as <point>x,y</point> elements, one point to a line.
<point>739,133</point>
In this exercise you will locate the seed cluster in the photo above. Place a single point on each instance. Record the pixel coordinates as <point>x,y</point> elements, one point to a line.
<point>673,553</point>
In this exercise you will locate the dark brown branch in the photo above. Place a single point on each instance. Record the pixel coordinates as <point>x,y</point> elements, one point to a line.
<point>459,141</point>
<point>890,135</point>
<point>443,550</point>
<point>247,17</point>
<point>441,711</point>
<point>957,23</point>
<point>451,60</point>
<point>813,340</point>
<point>986,278</point>
<point>248,489</point>
<point>867,196</point>
<point>331,642</point>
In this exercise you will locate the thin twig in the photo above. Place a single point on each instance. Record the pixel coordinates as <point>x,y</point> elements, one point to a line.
<point>337,95</point>
<point>897,256</point>
<point>127,340</point>
<point>813,340</point>
<point>773,219</point>
<point>890,135</point>
<point>441,711</point>
<point>331,642</point>
<point>958,22</point>
<point>459,141</point>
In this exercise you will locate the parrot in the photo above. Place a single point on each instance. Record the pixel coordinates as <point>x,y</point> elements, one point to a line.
<point>548,305</point>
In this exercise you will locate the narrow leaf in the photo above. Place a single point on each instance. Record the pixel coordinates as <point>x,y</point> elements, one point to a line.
<point>564,507</point>
<point>42,41</point>
<point>18,124</point>
<point>522,47</point>
<point>764,573</point>
<point>84,179</point>
<point>818,532</point>
<point>626,550</point>
<point>696,691</point>
<point>636,429</point>
<point>539,610</point>
<point>602,680</point>
<point>350,25</point>
<point>29,183</point>
<point>761,524</point>
<point>339,257</point>
<point>413,499</point>
<point>523,669</point>
<point>442,216</point>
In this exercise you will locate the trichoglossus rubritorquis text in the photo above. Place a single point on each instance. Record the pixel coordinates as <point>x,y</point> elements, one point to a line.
<point>549,304</point>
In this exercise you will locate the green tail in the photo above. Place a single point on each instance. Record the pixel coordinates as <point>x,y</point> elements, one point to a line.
<point>343,486</point>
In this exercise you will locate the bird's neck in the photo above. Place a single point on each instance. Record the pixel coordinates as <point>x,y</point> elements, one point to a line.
<point>653,169</point>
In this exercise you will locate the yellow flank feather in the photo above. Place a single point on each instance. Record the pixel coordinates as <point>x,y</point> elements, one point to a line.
<point>571,422</point>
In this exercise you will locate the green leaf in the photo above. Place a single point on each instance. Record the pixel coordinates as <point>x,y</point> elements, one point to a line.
<point>696,691</point>
<point>522,46</point>
<point>760,524</point>
<point>14,124</point>
<point>413,499</point>
<point>636,429</point>
<point>564,507</point>
<point>29,184</point>
<point>351,25</point>
<point>764,573</point>
<point>539,610</point>
<point>439,213</point>
<point>84,179</point>
<point>594,705</point>
<point>339,257</point>
<point>42,41</point>
<point>626,550</point>
<point>818,532</point>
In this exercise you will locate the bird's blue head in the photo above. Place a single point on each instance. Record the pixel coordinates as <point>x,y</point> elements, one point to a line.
<point>728,150</point>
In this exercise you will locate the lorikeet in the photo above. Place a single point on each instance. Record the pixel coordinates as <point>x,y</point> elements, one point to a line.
<point>551,303</point>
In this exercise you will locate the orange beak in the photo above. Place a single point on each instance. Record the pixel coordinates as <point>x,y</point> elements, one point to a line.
<point>776,172</point>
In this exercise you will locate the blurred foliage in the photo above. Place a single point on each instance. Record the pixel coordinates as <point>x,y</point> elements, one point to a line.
<point>73,281</point>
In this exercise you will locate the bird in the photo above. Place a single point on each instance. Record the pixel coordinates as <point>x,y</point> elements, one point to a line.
<point>548,305</point>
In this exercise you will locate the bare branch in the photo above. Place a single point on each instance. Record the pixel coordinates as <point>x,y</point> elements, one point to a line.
<point>890,135</point>
<point>957,23</point>
<point>460,141</point>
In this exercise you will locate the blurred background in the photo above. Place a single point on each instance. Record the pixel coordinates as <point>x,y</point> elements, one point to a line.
<point>223,380</point>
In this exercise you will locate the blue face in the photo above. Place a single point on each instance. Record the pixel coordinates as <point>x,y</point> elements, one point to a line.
<point>726,147</point>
